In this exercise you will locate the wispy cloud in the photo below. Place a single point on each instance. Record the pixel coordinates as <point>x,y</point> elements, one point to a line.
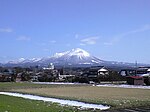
<point>112,41</point>
<point>89,40</point>
<point>81,44</point>
<point>24,38</point>
<point>139,30</point>
<point>7,30</point>
<point>117,38</point>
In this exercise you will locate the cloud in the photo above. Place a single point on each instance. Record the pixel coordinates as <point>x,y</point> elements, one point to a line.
<point>117,38</point>
<point>112,41</point>
<point>89,41</point>
<point>7,30</point>
<point>81,44</point>
<point>139,30</point>
<point>23,38</point>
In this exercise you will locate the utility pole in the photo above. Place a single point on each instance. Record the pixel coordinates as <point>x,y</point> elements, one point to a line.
<point>136,67</point>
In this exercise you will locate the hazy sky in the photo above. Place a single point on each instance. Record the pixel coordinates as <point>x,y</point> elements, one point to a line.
<point>116,30</point>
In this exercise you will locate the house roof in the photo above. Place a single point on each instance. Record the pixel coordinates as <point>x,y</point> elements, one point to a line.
<point>148,70</point>
<point>102,70</point>
<point>134,77</point>
<point>98,68</point>
<point>145,75</point>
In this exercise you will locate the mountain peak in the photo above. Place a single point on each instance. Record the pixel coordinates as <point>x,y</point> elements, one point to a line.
<point>75,56</point>
<point>79,52</point>
<point>74,52</point>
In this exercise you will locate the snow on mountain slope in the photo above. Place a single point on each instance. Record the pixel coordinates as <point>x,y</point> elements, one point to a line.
<point>74,56</point>
<point>22,60</point>
<point>17,61</point>
<point>31,60</point>
<point>78,52</point>
<point>74,52</point>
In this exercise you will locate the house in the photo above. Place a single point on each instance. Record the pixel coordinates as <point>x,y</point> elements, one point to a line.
<point>147,77</point>
<point>68,78</point>
<point>135,80</point>
<point>148,71</point>
<point>19,78</point>
<point>147,80</point>
<point>137,76</point>
<point>99,71</point>
<point>48,74</point>
<point>6,76</point>
<point>50,67</point>
<point>128,72</point>
<point>95,74</point>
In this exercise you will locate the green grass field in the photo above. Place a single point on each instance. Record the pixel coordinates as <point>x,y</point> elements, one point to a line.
<point>115,97</point>
<point>14,104</point>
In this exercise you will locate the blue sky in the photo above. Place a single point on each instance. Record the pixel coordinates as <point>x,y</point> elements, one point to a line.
<point>116,30</point>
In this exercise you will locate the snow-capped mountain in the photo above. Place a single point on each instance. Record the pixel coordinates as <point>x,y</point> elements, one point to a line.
<point>79,53</point>
<point>75,56</point>
<point>16,61</point>
<point>72,57</point>
<point>23,60</point>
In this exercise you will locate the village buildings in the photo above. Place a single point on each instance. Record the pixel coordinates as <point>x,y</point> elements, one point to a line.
<point>93,74</point>
<point>137,76</point>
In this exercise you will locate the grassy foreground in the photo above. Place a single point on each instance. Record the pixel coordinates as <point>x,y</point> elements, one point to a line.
<point>115,97</point>
<point>14,104</point>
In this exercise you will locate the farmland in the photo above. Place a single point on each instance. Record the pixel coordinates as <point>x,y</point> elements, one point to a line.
<point>115,97</point>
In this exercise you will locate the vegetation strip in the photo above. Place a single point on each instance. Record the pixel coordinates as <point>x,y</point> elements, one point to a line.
<point>60,101</point>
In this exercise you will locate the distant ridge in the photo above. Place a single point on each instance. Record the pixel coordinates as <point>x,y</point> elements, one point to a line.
<point>74,57</point>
